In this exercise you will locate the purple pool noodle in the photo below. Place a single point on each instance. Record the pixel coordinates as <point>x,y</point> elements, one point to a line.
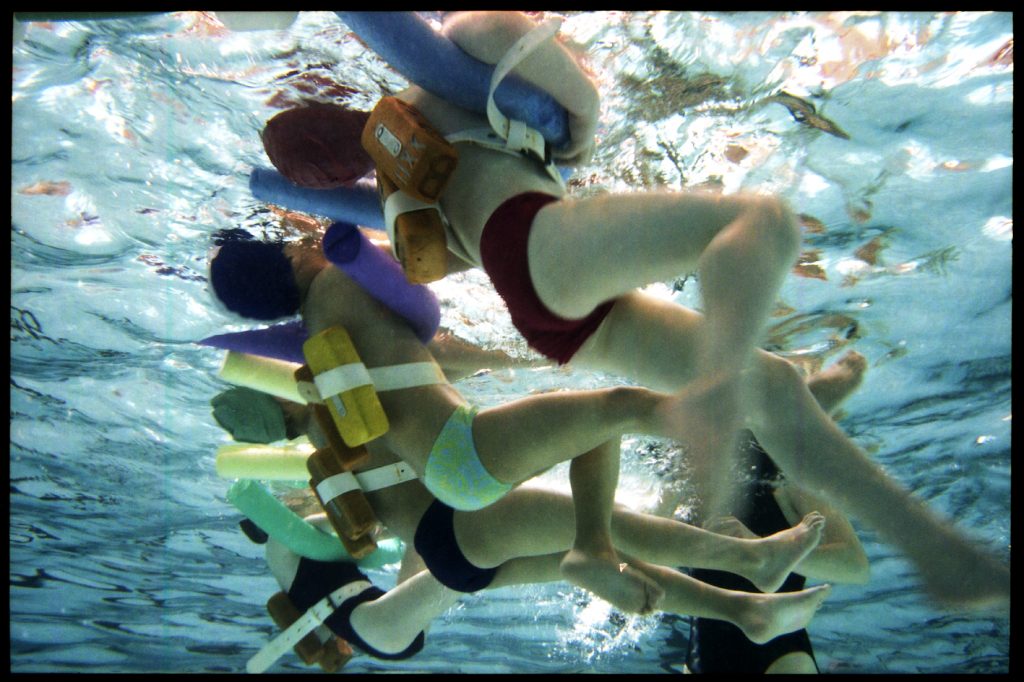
<point>382,277</point>
<point>370,267</point>
<point>282,341</point>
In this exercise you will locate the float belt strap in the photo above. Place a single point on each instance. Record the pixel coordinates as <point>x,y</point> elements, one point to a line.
<point>367,481</point>
<point>517,134</point>
<point>341,379</point>
<point>397,203</point>
<point>409,375</point>
<point>305,624</point>
<point>390,378</point>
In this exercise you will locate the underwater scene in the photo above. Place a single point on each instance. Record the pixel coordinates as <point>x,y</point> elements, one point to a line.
<point>133,140</point>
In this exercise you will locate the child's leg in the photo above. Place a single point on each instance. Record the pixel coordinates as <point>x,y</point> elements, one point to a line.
<point>762,617</point>
<point>809,448</point>
<point>593,563</point>
<point>531,521</point>
<point>518,440</point>
<point>391,622</point>
<point>584,252</point>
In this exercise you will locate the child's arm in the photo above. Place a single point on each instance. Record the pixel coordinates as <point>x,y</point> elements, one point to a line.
<point>459,359</point>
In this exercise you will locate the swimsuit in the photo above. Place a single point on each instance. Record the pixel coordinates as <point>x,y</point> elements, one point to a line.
<point>503,254</point>
<point>454,473</point>
<point>436,544</point>
<point>314,578</point>
<point>720,647</point>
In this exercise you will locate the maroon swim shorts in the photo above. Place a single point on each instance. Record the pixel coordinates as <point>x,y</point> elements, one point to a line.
<point>504,256</point>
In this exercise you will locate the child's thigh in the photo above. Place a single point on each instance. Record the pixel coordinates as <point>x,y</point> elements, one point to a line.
<point>586,251</point>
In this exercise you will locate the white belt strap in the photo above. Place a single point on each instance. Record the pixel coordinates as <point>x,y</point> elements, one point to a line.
<point>397,203</point>
<point>305,624</point>
<point>517,135</point>
<point>408,375</point>
<point>367,481</point>
<point>390,378</point>
<point>341,379</point>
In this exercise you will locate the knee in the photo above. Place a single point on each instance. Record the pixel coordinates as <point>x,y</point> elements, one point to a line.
<point>774,382</point>
<point>779,224</point>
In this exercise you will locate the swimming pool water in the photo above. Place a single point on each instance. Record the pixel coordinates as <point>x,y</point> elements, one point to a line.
<point>132,142</point>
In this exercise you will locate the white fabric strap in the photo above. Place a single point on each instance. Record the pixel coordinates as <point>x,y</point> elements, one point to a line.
<point>308,391</point>
<point>367,481</point>
<point>340,379</point>
<point>305,624</point>
<point>483,137</point>
<point>489,139</point>
<point>517,135</point>
<point>397,203</point>
<point>389,378</point>
<point>385,476</point>
<point>408,375</point>
<point>336,486</point>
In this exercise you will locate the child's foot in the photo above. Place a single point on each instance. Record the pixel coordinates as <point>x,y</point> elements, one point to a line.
<point>771,615</point>
<point>613,580</point>
<point>832,386</point>
<point>782,551</point>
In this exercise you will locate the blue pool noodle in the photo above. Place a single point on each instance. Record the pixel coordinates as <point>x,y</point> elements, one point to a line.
<point>359,204</point>
<point>430,60</point>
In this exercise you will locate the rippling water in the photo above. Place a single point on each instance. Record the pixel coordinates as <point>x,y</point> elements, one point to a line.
<point>132,141</point>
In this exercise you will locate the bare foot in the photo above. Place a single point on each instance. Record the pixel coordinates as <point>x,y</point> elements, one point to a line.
<point>704,416</point>
<point>832,386</point>
<point>614,581</point>
<point>769,615</point>
<point>784,550</point>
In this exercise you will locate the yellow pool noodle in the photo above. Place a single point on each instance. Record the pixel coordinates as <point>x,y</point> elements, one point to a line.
<point>264,462</point>
<point>275,377</point>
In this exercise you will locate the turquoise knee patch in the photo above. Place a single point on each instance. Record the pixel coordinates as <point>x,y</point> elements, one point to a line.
<point>454,473</point>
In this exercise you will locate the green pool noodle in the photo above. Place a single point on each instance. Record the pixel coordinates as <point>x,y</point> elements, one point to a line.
<point>286,527</point>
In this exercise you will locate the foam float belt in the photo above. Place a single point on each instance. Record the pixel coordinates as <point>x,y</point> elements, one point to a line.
<point>348,511</point>
<point>345,386</point>
<point>316,647</point>
<point>288,463</point>
<point>417,234</point>
<point>305,624</point>
<point>277,377</point>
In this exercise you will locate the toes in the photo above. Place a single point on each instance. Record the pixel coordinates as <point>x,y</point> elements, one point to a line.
<point>814,519</point>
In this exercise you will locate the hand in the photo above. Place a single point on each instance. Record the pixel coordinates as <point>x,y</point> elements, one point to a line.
<point>582,141</point>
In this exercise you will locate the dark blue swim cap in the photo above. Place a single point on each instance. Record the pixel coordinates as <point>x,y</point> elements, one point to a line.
<point>255,280</point>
